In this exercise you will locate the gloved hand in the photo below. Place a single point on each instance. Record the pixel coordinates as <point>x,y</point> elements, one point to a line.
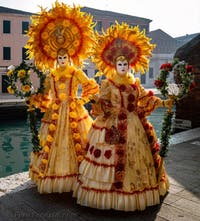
<point>168,103</point>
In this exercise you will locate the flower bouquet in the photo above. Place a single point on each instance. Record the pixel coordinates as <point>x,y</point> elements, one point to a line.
<point>20,84</point>
<point>184,82</point>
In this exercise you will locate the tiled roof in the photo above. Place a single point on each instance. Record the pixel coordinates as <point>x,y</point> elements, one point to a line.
<point>190,51</point>
<point>165,44</point>
<point>186,38</point>
<point>92,11</point>
<point>13,11</point>
<point>116,15</point>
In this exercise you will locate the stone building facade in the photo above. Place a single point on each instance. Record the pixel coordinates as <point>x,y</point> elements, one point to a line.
<point>13,26</point>
<point>14,23</point>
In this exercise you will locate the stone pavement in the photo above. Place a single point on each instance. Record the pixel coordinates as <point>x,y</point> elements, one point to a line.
<point>20,201</point>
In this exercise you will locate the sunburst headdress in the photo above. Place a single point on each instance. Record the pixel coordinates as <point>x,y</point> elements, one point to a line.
<point>61,27</point>
<point>122,40</point>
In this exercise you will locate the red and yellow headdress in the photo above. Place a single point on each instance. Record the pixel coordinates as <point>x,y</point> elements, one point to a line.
<point>61,27</point>
<point>122,40</point>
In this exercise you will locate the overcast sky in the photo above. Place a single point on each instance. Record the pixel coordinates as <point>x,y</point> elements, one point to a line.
<point>175,17</point>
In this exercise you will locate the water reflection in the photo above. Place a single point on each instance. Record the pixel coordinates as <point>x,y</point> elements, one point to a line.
<point>15,143</point>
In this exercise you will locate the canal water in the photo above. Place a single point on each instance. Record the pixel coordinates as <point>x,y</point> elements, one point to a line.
<point>15,143</point>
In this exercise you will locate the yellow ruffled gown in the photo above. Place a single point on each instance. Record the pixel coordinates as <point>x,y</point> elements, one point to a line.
<point>122,169</point>
<point>63,132</point>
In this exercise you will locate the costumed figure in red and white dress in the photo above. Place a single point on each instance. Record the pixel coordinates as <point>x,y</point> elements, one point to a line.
<point>122,169</point>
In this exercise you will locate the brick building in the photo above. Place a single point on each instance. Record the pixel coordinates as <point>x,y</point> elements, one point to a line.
<point>15,23</point>
<point>13,26</point>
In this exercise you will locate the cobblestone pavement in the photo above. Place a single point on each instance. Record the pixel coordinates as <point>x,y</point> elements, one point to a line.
<point>20,201</point>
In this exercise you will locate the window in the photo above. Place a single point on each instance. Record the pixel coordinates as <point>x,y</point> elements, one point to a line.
<point>6,53</point>
<point>150,73</point>
<point>25,26</point>
<point>6,27</point>
<point>24,55</point>
<point>98,26</point>
<point>4,83</point>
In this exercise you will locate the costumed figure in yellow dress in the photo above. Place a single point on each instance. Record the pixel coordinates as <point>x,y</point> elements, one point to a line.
<point>59,40</point>
<point>122,169</point>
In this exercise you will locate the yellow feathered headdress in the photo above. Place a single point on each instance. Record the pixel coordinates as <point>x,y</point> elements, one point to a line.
<point>122,40</point>
<point>61,27</point>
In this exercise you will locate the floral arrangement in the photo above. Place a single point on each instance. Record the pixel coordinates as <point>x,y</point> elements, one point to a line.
<point>184,82</point>
<point>19,80</point>
<point>21,75</point>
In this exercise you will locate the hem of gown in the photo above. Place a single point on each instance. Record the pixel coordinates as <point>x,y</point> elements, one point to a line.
<point>53,184</point>
<point>115,200</point>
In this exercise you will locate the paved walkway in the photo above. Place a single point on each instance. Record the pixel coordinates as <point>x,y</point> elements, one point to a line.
<point>20,201</point>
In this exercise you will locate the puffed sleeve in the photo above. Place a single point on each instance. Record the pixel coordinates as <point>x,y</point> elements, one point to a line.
<point>89,86</point>
<point>41,100</point>
<point>147,102</point>
<point>102,103</point>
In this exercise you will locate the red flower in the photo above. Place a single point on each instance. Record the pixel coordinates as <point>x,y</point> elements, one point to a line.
<point>156,148</point>
<point>167,66</point>
<point>131,98</point>
<point>162,66</point>
<point>119,167</point>
<point>122,116</point>
<point>122,140</point>
<point>158,83</point>
<point>112,135</point>
<point>120,152</point>
<point>189,68</point>
<point>108,154</point>
<point>122,87</point>
<point>122,126</point>
<point>130,107</point>
<point>97,153</point>
<point>150,93</point>
<point>118,185</point>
